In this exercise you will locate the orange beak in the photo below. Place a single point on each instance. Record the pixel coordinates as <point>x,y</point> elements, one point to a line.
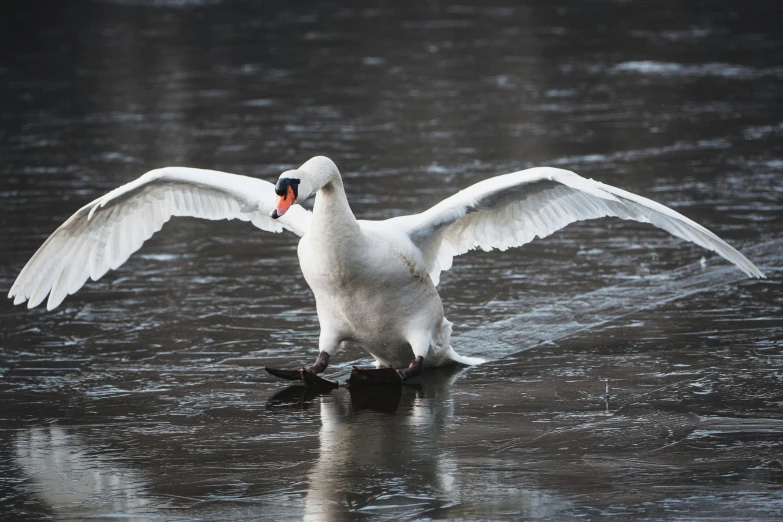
<point>284,203</point>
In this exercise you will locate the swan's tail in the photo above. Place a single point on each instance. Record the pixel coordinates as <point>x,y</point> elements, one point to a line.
<point>462,359</point>
<point>450,354</point>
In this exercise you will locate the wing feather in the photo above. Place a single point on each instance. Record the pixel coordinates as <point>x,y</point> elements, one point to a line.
<point>103,234</point>
<point>513,209</point>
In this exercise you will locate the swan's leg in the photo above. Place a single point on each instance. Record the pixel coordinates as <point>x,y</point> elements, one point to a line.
<point>413,370</point>
<point>419,341</point>
<point>320,363</point>
<point>309,376</point>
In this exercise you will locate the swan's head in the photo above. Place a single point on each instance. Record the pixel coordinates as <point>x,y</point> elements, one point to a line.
<point>287,190</point>
<point>296,186</point>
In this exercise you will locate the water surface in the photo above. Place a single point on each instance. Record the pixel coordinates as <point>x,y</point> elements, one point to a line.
<point>625,378</point>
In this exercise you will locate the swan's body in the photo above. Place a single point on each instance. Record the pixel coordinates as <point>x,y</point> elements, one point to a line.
<point>374,281</point>
<point>371,289</point>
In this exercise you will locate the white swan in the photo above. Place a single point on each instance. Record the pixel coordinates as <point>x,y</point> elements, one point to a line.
<point>374,281</point>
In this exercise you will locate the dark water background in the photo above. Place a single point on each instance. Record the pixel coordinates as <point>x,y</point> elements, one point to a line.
<point>144,395</point>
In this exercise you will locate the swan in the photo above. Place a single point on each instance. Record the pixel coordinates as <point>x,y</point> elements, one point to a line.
<point>374,282</point>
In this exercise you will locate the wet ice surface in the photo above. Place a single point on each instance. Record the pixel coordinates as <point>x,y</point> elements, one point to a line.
<point>625,378</point>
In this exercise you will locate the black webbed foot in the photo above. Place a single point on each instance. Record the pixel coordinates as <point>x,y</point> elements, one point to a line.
<point>309,376</point>
<point>311,379</point>
<point>289,375</point>
<point>386,376</point>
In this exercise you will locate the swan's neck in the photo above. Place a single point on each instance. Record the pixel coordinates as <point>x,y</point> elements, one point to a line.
<point>331,209</point>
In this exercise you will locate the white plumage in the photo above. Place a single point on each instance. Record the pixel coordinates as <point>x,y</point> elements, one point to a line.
<point>513,209</point>
<point>104,233</point>
<point>374,281</point>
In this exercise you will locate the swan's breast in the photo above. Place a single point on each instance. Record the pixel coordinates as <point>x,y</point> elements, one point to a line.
<point>369,286</point>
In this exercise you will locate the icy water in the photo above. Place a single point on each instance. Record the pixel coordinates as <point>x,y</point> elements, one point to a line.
<point>625,378</point>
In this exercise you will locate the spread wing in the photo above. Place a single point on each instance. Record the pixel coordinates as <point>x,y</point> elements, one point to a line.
<point>511,210</point>
<point>103,234</point>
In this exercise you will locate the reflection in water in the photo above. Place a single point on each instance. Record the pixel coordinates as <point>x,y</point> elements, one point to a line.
<point>75,480</point>
<point>365,457</point>
<point>447,448</point>
<point>384,452</point>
